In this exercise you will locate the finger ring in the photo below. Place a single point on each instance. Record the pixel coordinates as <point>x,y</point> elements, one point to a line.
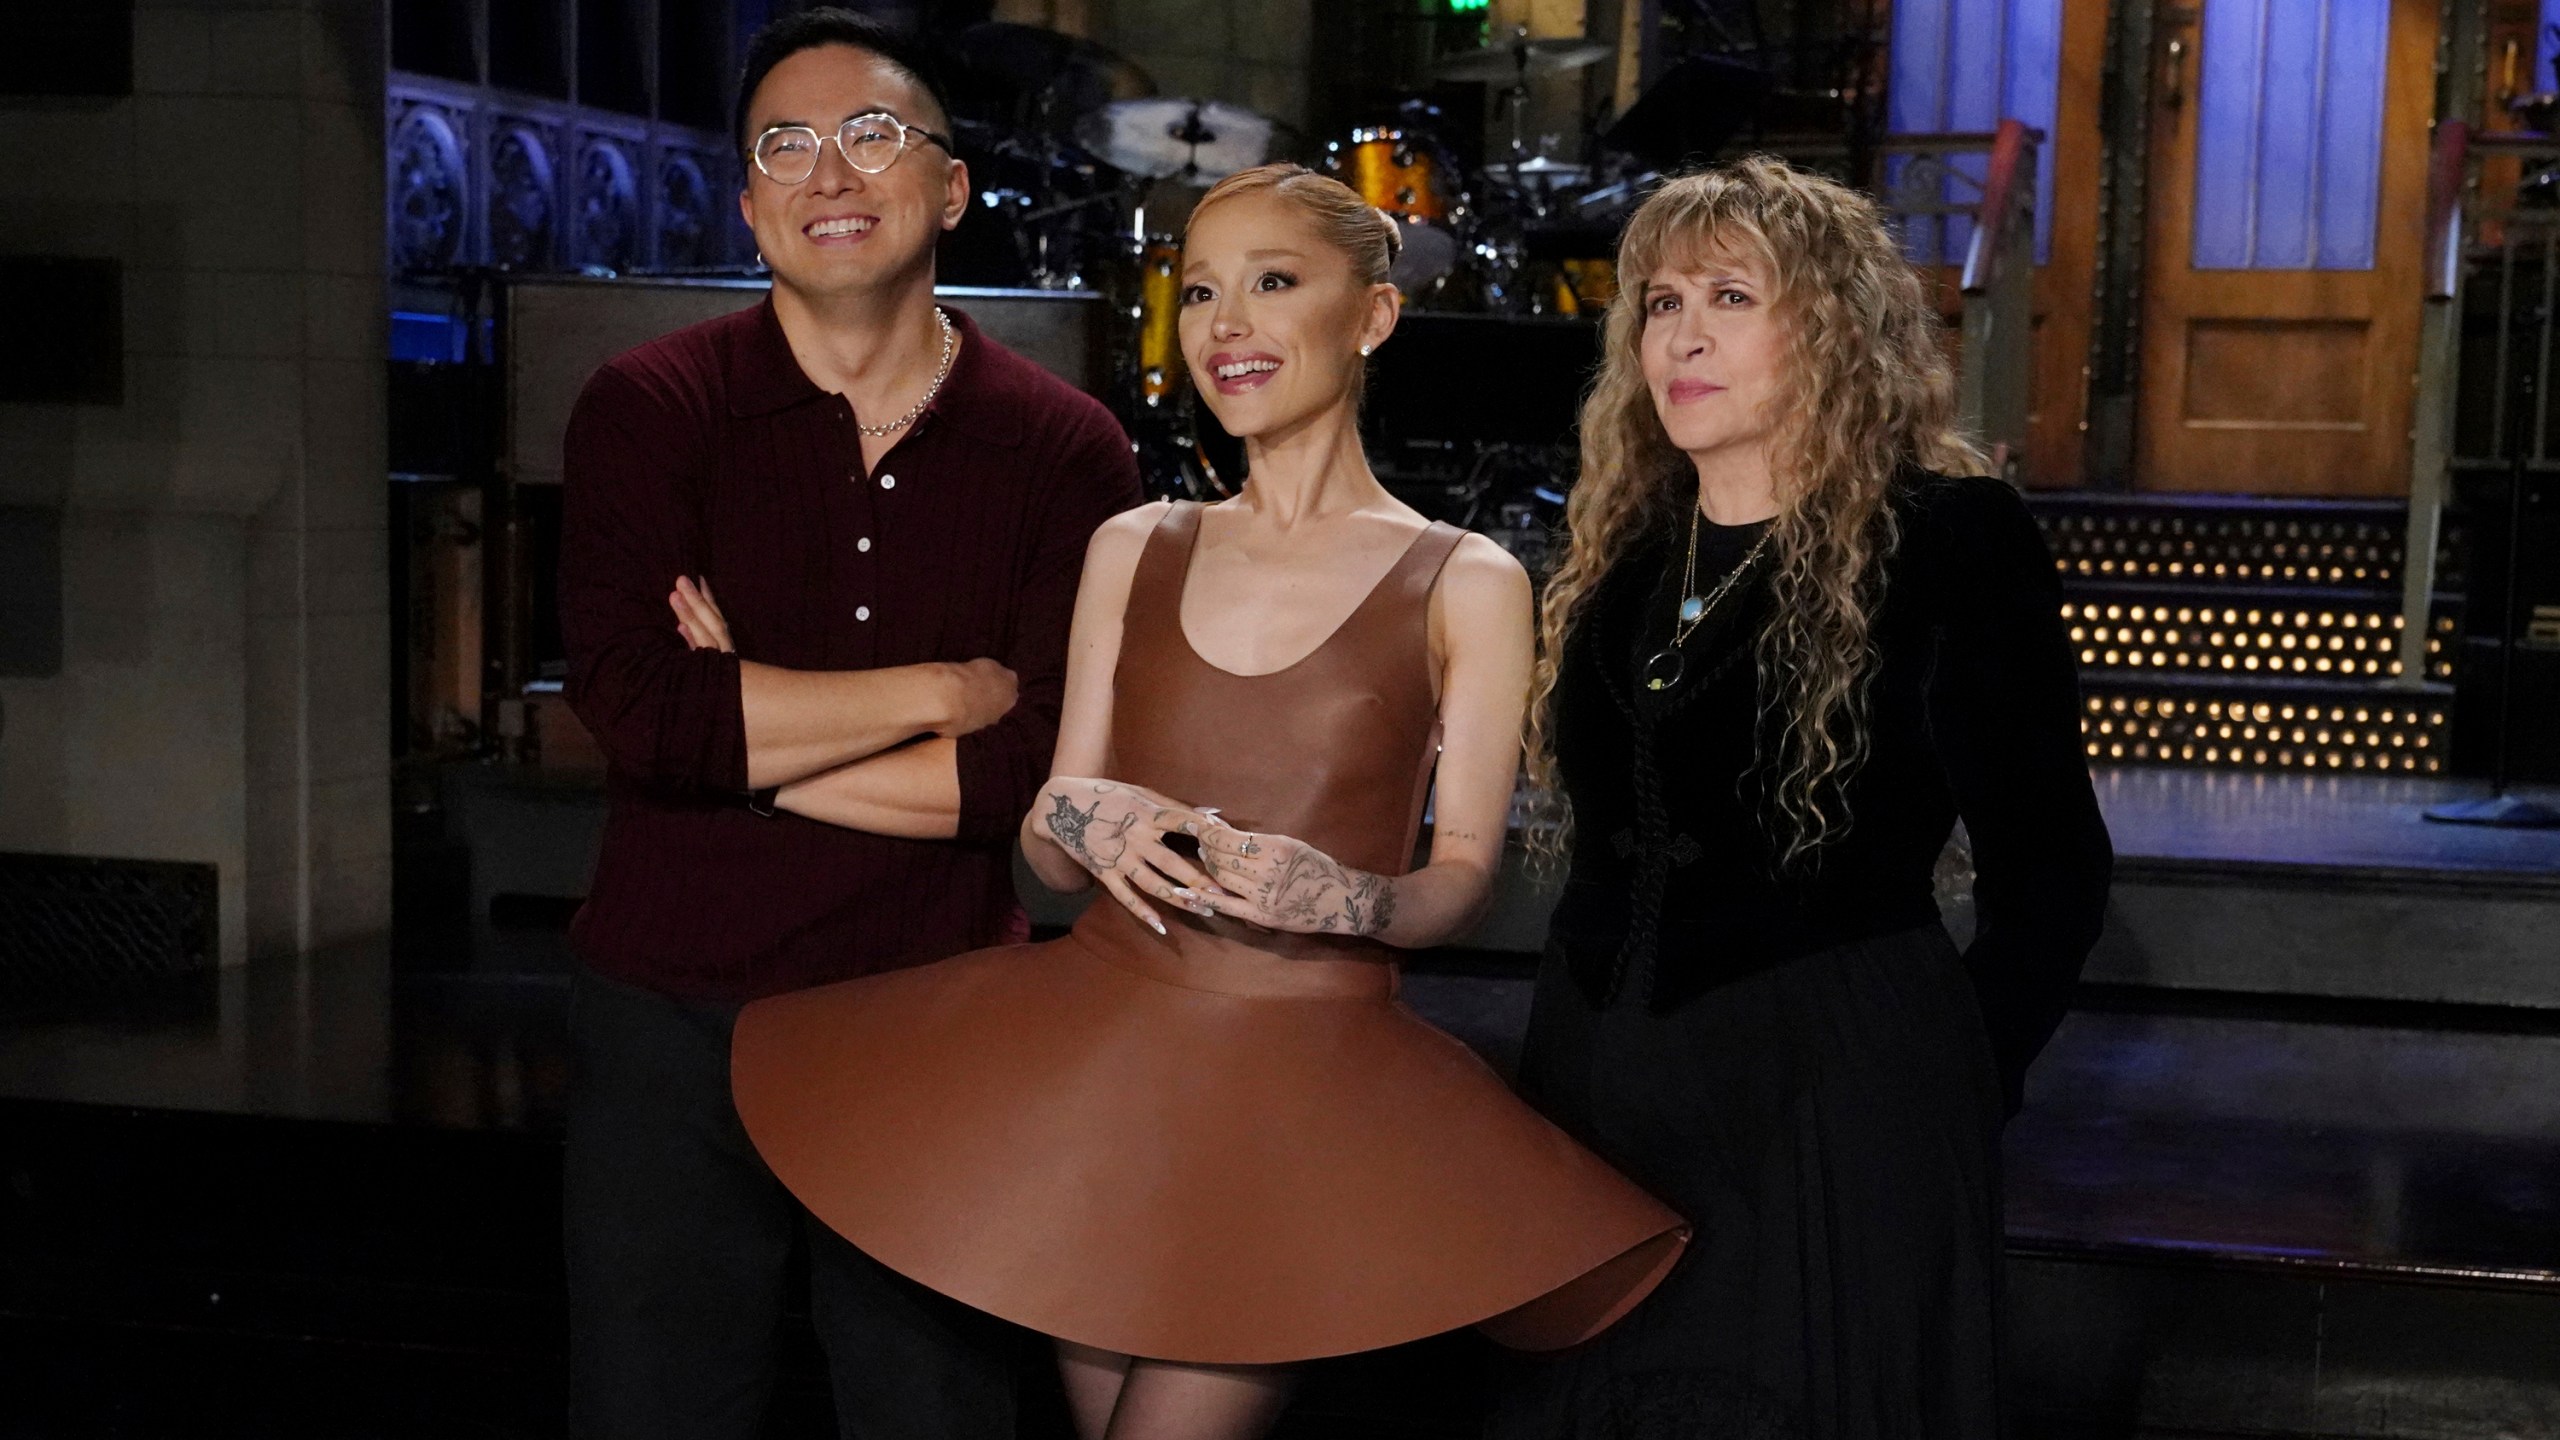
<point>1249,848</point>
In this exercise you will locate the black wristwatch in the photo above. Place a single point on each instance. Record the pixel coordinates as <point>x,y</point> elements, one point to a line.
<point>761,801</point>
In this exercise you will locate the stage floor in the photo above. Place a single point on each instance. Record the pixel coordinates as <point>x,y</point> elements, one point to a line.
<point>2406,1150</point>
<point>2349,822</point>
<point>2277,1139</point>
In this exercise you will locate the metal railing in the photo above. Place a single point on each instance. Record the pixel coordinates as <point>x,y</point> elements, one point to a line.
<point>2486,338</point>
<point>1980,217</point>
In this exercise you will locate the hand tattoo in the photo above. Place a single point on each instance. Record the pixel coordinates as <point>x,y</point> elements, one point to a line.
<point>1371,904</point>
<point>1314,892</point>
<point>1071,825</point>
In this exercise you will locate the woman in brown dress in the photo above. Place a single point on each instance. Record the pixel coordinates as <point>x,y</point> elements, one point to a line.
<point>1197,1139</point>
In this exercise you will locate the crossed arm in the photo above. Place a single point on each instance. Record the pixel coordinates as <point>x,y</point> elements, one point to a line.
<point>699,719</point>
<point>836,742</point>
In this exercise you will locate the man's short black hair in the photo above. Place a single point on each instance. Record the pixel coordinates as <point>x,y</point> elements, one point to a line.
<point>783,38</point>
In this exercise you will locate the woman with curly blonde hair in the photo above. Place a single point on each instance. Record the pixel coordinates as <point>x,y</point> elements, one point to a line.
<point>1793,639</point>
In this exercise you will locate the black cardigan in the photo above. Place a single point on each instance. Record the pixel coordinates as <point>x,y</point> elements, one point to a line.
<point>1973,711</point>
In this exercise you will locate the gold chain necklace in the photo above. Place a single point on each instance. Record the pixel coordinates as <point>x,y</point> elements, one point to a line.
<point>1664,669</point>
<point>939,375</point>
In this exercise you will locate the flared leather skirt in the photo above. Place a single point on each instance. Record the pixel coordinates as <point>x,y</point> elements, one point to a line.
<point>1189,1148</point>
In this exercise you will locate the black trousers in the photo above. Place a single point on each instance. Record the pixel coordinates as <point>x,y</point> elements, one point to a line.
<point>681,1246</point>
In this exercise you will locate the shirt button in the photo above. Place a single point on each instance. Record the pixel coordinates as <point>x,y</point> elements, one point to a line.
<point>888,482</point>
<point>863,544</point>
<point>861,612</point>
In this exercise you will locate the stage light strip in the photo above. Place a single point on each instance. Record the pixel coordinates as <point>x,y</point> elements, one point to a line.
<point>2243,640</point>
<point>2227,550</point>
<point>2396,736</point>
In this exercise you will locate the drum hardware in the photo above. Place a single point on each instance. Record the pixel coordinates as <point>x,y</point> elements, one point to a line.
<point>1399,171</point>
<point>1173,461</point>
<point>1194,140</point>
<point>1042,80</point>
<point>1515,60</point>
<point>1411,176</point>
<point>1159,315</point>
<point>1510,65</point>
<point>1085,168</point>
<point>1525,188</point>
<point>1040,189</point>
<point>1618,194</point>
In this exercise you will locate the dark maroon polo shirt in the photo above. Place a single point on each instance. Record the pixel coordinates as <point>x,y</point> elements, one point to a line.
<point>708,452</point>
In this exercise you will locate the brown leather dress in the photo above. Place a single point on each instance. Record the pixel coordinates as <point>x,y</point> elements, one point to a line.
<point>1219,1146</point>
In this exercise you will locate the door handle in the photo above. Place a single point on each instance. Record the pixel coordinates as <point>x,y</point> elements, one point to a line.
<point>2174,93</point>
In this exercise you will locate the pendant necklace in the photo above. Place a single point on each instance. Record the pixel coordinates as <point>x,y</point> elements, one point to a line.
<point>1664,669</point>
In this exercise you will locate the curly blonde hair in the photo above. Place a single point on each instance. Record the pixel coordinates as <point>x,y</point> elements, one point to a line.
<point>1866,391</point>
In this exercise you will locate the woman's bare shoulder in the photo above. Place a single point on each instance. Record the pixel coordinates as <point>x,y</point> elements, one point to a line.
<point>1132,527</point>
<point>1112,554</point>
<point>1481,575</point>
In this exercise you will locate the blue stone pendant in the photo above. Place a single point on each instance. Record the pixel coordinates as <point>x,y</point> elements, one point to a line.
<point>1691,609</point>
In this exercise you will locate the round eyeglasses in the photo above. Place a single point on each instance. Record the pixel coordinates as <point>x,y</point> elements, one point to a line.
<point>788,154</point>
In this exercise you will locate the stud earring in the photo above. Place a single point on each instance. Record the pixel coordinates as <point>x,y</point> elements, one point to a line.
<point>1365,349</point>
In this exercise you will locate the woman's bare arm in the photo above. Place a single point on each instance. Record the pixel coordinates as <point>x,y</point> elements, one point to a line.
<point>1084,715</point>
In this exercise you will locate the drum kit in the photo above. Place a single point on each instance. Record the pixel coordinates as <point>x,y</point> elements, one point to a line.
<point>1088,170</point>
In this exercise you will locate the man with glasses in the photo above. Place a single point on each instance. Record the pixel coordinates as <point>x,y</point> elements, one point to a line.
<point>817,567</point>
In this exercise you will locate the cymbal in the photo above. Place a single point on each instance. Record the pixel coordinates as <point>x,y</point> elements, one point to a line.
<point>1541,169</point>
<point>1518,60</point>
<point>1157,138</point>
<point>1073,75</point>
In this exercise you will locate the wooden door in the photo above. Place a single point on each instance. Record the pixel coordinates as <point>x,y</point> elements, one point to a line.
<point>2287,204</point>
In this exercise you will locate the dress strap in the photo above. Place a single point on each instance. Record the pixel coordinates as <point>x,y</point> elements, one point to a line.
<point>1431,551</point>
<point>1155,589</point>
<point>1389,635</point>
<point>1409,584</point>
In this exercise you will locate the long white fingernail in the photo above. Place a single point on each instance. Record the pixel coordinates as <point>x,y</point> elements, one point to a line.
<point>1158,924</point>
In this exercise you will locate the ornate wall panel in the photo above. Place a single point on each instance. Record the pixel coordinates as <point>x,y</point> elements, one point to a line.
<point>609,232</point>
<point>429,186</point>
<point>688,210</point>
<point>524,195</point>
<point>480,176</point>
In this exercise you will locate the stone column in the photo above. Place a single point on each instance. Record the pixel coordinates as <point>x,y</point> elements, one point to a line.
<point>224,691</point>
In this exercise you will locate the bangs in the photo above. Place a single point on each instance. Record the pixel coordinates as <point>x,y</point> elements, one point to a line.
<point>1696,231</point>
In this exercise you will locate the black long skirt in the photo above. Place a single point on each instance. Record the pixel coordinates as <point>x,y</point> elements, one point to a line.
<point>1831,1127</point>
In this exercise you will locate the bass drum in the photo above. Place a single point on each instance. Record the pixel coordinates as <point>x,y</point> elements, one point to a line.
<point>1400,171</point>
<point>1428,255</point>
<point>1411,176</point>
<point>1160,368</point>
